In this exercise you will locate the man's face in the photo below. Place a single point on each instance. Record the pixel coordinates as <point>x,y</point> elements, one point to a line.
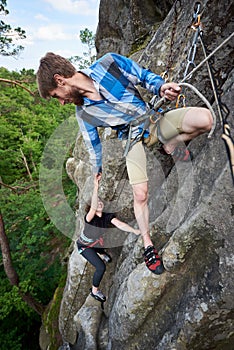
<point>67,94</point>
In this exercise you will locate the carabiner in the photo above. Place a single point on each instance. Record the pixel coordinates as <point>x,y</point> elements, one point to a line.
<point>180,97</point>
<point>165,75</point>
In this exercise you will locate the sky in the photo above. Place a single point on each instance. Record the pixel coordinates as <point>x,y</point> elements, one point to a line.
<point>50,25</point>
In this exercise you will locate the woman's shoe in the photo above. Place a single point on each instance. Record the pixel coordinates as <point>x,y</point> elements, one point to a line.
<point>98,296</point>
<point>106,257</point>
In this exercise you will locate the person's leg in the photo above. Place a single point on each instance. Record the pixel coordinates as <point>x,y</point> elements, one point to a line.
<point>105,256</point>
<point>136,166</point>
<point>195,121</point>
<point>92,257</point>
<point>140,196</point>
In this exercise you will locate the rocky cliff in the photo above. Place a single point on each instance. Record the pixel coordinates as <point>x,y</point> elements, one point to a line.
<point>190,306</point>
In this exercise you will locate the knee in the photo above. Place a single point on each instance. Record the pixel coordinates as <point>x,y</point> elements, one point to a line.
<point>206,120</point>
<point>101,268</point>
<point>140,196</point>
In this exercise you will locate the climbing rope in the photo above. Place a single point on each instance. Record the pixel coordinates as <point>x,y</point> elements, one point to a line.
<point>166,75</point>
<point>65,343</point>
<point>221,107</point>
<point>202,97</point>
<point>208,57</point>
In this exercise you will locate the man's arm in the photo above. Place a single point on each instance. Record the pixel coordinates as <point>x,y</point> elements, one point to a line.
<point>94,200</point>
<point>138,75</point>
<point>146,78</point>
<point>93,144</point>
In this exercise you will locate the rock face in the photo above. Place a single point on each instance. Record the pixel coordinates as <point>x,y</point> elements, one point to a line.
<point>124,25</point>
<point>190,306</point>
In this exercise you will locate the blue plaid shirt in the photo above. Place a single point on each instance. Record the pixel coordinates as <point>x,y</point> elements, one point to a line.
<point>115,78</point>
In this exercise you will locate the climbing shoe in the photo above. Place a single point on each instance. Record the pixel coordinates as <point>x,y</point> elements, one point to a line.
<point>153,261</point>
<point>106,257</point>
<point>181,154</point>
<point>98,296</point>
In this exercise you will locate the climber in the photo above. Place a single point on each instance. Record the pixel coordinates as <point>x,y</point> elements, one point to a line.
<point>91,239</point>
<point>105,95</point>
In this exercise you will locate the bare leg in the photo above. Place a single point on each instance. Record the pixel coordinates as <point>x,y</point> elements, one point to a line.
<point>196,121</point>
<point>140,193</point>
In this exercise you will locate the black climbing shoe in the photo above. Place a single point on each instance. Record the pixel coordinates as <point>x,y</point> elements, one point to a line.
<point>153,261</point>
<point>98,296</point>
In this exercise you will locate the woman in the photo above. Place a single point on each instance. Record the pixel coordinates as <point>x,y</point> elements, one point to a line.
<point>91,240</point>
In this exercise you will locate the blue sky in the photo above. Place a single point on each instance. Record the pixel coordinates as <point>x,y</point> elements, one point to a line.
<point>50,25</point>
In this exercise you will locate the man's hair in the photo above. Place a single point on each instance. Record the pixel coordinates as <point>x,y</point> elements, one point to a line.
<point>50,65</point>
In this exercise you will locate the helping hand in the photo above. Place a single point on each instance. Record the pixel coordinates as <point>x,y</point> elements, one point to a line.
<point>97,178</point>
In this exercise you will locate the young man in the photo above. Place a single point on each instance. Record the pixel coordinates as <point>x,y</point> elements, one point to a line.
<point>105,95</point>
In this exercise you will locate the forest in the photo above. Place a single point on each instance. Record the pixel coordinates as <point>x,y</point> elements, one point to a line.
<point>36,246</point>
<point>32,263</point>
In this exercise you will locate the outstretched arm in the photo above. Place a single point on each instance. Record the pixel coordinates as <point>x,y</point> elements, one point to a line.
<point>94,200</point>
<point>124,227</point>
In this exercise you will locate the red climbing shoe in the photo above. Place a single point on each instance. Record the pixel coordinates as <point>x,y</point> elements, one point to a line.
<point>153,261</point>
<point>181,154</point>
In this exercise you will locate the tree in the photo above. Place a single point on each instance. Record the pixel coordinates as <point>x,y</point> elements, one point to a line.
<point>87,38</point>
<point>12,274</point>
<point>8,34</point>
<point>31,248</point>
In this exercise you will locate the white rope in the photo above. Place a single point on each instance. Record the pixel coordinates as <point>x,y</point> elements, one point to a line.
<point>202,97</point>
<point>207,58</point>
<point>212,83</point>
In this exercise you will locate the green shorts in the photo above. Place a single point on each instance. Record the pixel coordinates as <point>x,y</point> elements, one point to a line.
<point>168,126</point>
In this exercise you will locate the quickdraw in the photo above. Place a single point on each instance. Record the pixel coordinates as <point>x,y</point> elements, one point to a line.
<point>197,26</point>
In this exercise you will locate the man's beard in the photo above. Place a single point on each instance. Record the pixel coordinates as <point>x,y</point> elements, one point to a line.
<point>76,96</point>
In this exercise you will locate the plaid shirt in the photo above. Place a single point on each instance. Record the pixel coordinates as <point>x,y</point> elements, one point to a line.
<point>115,78</point>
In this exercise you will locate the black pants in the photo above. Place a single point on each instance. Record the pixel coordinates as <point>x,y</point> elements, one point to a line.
<point>91,254</point>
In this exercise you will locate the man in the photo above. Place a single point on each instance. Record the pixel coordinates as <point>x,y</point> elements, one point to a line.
<point>105,95</point>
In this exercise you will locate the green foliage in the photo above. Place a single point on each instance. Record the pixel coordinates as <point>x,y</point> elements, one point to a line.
<point>8,34</point>
<point>37,247</point>
<point>88,39</point>
<point>50,319</point>
<point>26,122</point>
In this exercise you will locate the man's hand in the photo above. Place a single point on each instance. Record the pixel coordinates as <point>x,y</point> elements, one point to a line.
<point>170,91</point>
<point>96,179</point>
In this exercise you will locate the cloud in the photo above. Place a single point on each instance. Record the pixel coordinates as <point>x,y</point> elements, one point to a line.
<point>41,17</point>
<point>82,7</point>
<point>52,32</point>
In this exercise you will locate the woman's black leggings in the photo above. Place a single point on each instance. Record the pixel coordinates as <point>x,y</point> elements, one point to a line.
<point>91,254</point>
